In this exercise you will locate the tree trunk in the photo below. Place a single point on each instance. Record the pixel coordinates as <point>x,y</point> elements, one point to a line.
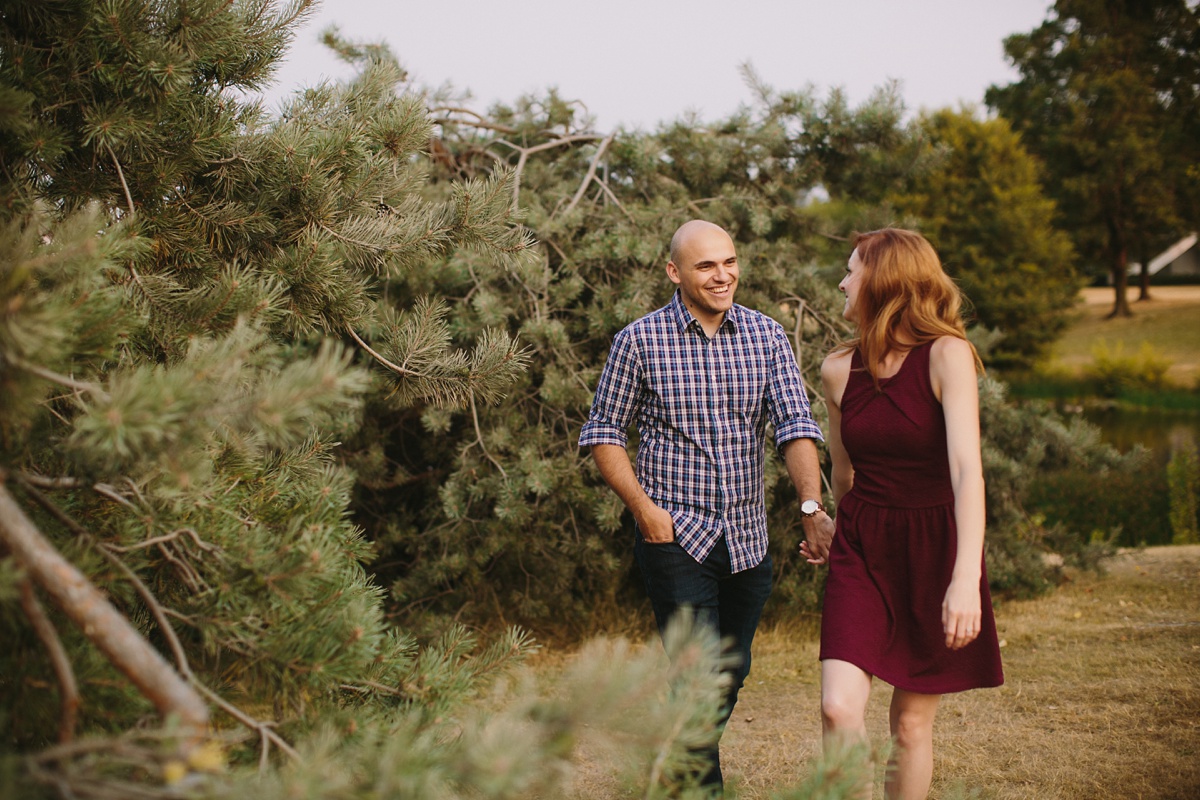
<point>1144,277</point>
<point>1120,276</point>
<point>100,622</point>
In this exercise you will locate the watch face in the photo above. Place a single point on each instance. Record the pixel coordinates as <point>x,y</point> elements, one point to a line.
<point>809,507</point>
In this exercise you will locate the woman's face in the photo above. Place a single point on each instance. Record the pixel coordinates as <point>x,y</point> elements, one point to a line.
<point>850,283</point>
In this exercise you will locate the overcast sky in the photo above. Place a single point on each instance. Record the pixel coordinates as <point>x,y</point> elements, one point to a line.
<point>641,62</point>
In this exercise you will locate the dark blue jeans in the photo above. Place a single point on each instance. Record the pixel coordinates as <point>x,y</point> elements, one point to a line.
<point>730,603</point>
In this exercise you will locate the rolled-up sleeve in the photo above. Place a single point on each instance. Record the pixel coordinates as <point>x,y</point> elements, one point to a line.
<point>787,402</point>
<point>617,396</point>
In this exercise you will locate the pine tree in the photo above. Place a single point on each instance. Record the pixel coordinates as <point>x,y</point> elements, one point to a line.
<point>192,311</point>
<point>198,301</point>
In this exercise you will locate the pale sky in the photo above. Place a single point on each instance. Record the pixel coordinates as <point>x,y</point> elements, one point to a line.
<point>641,62</point>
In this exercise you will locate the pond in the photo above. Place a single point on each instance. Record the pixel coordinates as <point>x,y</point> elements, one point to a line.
<point>1156,429</point>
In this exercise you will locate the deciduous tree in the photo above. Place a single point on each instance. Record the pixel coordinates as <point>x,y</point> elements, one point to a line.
<point>1108,99</point>
<point>981,203</point>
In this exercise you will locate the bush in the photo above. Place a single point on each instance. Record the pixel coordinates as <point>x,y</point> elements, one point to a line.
<point>1112,373</point>
<point>1094,504</point>
<point>1183,481</point>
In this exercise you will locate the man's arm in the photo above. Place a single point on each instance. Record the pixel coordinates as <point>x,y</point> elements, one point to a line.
<point>655,523</point>
<point>804,468</point>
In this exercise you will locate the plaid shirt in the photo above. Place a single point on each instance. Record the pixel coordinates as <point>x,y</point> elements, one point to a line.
<point>701,407</point>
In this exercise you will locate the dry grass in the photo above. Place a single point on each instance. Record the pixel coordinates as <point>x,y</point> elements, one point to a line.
<point>1102,698</point>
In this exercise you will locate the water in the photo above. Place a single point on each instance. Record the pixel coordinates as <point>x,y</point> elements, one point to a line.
<point>1125,428</point>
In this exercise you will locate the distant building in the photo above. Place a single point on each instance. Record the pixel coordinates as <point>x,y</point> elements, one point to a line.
<point>1181,258</point>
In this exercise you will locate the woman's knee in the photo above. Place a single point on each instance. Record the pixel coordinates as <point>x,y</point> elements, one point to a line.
<point>845,690</point>
<point>842,711</point>
<point>913,725</point>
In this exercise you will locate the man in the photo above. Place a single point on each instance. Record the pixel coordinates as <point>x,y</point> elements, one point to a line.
<point>701,377</point>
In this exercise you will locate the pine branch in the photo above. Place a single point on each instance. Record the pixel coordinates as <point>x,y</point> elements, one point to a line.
<point>526,152</point>
<point>45,631</point>
<point>478,121</point>
<point>99,621</point>
<point>121,175</point>
<point>479,439</point>
<point>62,380</point>
<point>160,613</point>
<point>591,173</point>
<point>396,368</point>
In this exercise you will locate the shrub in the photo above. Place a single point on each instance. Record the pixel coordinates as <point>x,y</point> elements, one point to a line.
<point>1132,503</point>
<point>1112,373</point>
<point>1183,481</point>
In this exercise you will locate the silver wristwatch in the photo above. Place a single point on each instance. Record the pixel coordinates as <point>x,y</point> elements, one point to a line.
<point>810,507</point>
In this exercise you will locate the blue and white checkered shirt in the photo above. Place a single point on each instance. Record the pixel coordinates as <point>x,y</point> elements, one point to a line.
<point>701,406</point>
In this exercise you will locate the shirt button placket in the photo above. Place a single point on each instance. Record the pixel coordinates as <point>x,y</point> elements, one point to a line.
<point>712,385</point>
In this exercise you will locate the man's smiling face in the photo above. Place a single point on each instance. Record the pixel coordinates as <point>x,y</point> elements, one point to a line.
<point>706,273</point>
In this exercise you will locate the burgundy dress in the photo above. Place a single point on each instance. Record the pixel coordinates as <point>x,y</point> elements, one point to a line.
<point>893,554</point>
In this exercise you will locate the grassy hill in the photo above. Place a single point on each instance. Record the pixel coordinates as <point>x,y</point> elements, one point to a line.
<point>1169,322</point>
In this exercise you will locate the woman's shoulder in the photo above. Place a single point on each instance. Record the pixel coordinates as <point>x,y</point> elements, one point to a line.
<point>951,363</point>
<point>837,363</point>
<point>952,349</point>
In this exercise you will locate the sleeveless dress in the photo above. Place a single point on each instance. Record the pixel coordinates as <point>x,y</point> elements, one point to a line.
<point>893,553</point>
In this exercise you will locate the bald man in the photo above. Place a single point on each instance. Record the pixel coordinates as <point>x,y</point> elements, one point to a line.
<point>701,377</point>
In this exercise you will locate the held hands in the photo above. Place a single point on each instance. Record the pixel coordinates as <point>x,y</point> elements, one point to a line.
<point>961,615</point>
<point>656,524</point>
<point>819,532</point>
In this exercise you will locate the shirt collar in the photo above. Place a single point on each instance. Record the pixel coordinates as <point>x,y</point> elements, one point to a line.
<point>684,318</point>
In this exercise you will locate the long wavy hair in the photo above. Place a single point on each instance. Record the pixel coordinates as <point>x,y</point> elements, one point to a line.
<point>904,299</point>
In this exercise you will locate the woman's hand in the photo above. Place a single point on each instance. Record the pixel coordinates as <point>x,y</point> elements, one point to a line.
<point>961,613</point>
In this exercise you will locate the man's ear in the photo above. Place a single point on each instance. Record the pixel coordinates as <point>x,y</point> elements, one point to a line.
<point>673,272</point>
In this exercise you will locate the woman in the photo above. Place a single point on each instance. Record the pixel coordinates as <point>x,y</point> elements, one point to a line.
<point>907,597</point>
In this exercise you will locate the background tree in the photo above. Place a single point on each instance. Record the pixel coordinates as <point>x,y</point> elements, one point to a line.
<point>1108,100</point>
<point>982,206</point>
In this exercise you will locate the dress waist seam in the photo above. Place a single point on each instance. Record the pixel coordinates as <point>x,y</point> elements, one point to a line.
<point>892,505</point>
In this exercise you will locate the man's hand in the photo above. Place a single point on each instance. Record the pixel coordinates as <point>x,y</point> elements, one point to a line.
<point>656,524</point>
<point>818,530</point>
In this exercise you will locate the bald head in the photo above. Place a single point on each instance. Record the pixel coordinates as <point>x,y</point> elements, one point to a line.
<point>688,231</point>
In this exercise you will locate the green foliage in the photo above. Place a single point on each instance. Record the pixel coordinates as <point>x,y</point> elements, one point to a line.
<point>515,523</point>
<point>1183,483</point>
<point>187,293</point>
<point>983,209</point>
<point>1114,374</point>
<point>1127,506</point>
<point>242,356</point>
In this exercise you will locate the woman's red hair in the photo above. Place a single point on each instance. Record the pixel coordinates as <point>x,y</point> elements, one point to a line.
<point>904,299</point>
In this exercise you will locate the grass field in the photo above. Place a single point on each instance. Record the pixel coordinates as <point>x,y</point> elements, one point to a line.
<point>1101,698</point>
<point>1169,322</point>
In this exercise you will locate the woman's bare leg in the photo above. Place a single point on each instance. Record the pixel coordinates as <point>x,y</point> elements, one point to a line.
<point>910,770</point>
<point>845,690</point>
